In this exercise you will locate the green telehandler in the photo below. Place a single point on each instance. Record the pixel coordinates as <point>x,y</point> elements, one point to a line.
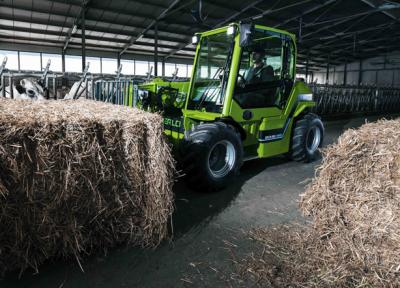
<point>242,102</point>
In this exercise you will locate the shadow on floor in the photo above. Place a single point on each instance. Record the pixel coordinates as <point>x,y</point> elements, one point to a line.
<point>193,209</point>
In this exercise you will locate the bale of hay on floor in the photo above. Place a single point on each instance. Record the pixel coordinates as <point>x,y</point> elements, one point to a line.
<point>78,177</point>
<point>354,205</point>
<point>355,200</point>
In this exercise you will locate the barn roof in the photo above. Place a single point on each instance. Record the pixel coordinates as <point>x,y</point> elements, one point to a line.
<point>334,31</point>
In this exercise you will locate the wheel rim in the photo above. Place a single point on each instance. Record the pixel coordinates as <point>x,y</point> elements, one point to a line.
<point>313,139</point>
<point>221,159</point>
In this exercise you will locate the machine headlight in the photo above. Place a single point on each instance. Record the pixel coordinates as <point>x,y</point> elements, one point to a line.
<point>231,30</point>
<point>195,39</point>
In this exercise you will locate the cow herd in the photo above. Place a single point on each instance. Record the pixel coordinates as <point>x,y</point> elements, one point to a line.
<point>33,89</point>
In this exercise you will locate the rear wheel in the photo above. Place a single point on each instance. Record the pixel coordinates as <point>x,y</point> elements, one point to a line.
<point>308,133</point>
<point>212,153</point>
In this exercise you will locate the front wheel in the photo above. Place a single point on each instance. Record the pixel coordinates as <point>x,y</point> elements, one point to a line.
<point>308,135</point>
<point>212,153</point>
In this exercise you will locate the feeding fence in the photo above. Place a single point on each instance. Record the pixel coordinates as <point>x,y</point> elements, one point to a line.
<point>340,99</point>
<point>118,91</point>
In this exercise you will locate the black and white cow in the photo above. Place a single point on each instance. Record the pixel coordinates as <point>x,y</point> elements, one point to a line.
<point>26,88</point>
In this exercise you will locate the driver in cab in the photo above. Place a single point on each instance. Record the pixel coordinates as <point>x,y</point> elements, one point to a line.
<point>259,72</point>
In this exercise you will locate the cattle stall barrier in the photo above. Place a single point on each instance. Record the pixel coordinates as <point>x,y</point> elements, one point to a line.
<point>118,91</point>
<point>346,99</point>
<point>8,79</point>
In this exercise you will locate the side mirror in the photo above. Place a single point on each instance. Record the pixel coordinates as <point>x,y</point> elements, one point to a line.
<point>246,32</point>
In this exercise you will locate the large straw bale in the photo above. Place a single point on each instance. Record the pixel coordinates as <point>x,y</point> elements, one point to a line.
<point>354,204</point>
<point>78,177</point>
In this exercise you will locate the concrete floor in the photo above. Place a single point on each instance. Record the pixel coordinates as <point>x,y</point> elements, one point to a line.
<point>204,226</point>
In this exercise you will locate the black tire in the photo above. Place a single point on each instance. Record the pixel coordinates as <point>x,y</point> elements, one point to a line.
<point>305,142</point>
<point>204,152</point>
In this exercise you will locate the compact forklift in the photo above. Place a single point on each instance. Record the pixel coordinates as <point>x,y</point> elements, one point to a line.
<point>242,102</point>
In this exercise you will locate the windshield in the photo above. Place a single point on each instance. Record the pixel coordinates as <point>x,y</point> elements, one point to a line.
<point>211,73</point>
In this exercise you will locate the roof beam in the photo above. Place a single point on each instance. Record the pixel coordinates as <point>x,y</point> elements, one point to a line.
<point>152,23</point>
<point>386,41</point>
<point>348,33</point>
<point>88,37</point>
<point>326,27</point>
<point>244,9</point>
<point>5,15</point>
<point>322,46</point>
<point>271,11</point>
<point>308,11</point>
<point>180,47</point>
<point>374,10</point>
<point>142,2</point>
<point>136,14</point>
<point>371,4</point>
<point>89,28</point>
<point>77,20</point>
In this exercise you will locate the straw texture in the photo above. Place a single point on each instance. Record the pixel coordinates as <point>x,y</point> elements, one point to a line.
<point>78,177</point>
<point>354,204</point>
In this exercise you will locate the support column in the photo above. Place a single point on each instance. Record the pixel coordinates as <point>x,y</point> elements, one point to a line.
<point>327,72</point>
<point>63,61</point>
<point>307,69</point>
<point>393,73</point>
<point>345,74</point>
<point>83,39</point>
<point>41,61</point>
<point>156,49</point>
<point>118,60</point>
<point>360,74</point>
<point>300,29</point>
<point>334,74</point>
<point>19,62</point>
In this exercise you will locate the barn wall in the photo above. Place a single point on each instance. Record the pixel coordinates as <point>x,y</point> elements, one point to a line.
<point>89,53</point>
<point>374,72</point>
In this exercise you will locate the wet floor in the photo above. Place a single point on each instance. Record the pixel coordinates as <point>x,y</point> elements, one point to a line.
<point>204,226</point>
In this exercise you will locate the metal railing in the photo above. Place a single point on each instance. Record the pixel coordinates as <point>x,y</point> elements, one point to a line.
<point>118,91</point>
<point>339,99</point>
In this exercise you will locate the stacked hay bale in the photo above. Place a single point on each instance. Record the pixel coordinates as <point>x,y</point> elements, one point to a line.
<point>354,202</point>
<point>78,177</point>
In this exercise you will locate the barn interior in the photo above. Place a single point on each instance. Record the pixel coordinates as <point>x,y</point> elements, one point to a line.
<point>348,53</point>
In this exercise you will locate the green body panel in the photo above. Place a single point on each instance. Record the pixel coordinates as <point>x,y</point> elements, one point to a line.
<point>173,123</point>
<point>159,82</point>
<point>271,118</point>
<point>267,133</point>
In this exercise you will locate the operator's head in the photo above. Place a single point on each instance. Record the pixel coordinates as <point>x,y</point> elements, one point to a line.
<point>258,55</point>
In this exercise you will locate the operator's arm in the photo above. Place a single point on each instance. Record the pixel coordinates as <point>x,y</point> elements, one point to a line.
<point>267,74</point>
<point>249,75</point>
